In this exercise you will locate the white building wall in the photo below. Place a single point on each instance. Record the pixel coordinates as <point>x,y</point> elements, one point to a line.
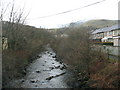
<point>116,41</point>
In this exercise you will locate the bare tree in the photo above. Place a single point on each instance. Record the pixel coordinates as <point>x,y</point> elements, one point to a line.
<point>14,24</point>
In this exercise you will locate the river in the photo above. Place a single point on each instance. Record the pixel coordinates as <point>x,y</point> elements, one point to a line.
<point>44,72</point>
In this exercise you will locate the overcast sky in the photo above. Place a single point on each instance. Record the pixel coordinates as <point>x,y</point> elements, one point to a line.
<point>38,8</point>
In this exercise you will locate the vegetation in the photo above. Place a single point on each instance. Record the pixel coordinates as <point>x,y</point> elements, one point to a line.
<point>24,42</point>
<point>92,67</point>
<point>105,73</point>
<point>72,45</point>
<point>75,50</point>
<point>23,51</point>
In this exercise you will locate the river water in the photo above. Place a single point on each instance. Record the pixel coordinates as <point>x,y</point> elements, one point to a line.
<point>44,72</point>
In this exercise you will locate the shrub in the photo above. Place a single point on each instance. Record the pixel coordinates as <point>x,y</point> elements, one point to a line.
<point>26,47</point>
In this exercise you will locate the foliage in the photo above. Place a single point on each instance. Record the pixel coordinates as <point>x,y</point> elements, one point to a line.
<point>78,52</point>
<point>27,46</point>
<point>74,49</point>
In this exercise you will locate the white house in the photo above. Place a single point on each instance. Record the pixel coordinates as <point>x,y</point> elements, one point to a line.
<point>108,34</point>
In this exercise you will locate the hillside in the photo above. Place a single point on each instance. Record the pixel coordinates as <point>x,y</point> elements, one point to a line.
<point>94,24</point>
<point>100,23</point>
<point>90,25</point>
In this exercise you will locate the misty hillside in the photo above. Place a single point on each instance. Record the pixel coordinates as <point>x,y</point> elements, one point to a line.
<point>94,24</point>
<point>100,23</point>
<point>89,25</point>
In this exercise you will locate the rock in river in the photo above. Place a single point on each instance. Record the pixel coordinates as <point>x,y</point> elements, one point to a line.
<point>51,54</point>
<point>38,71</point>
<point>54,56</point>
<point>49,78</point>
<point>33,80</point>
<point>56,67</point>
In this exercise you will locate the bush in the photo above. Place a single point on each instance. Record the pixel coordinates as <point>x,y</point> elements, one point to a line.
<point>23,51</point>
<point>74,49</point>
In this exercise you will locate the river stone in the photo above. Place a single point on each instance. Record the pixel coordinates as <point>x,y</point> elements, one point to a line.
<point>63,67</point>
<point>22,80</point>
<point>51,54</point>
<point>38,71</point>
<point>38,56</point>
<point>56,67</point>
<point>51,68</point>
<point>33,80</point>
<point>49,78</point>
<point>60,62</point>
<point>56,59</point>
<point>54,56</point>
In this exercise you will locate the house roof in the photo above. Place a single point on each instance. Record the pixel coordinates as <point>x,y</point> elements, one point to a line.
<point>114,27</point>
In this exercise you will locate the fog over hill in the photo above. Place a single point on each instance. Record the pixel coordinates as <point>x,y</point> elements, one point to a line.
<point>94,24</point>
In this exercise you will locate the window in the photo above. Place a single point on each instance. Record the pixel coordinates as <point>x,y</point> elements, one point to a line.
<point>115,32</point>
<point>119,32</point>
<point>110,33</point>
<point>105,33</point>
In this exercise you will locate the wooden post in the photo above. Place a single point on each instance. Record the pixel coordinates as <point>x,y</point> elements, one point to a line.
<point>108,53</point>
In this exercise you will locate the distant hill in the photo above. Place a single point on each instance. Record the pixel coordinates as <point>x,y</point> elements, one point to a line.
<point>100,23</point>
<point>91,25</point>
<point>94,24</point>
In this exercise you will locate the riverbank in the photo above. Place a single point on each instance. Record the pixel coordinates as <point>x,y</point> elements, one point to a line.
<point>15,63</point>
<point>50,71</point>
<point>44,72</point>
